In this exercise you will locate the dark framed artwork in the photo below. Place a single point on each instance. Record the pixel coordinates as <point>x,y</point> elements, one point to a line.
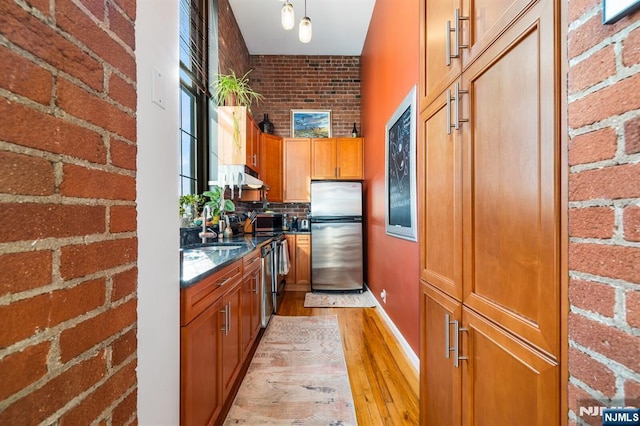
<point>308,123</point>
<point>400,170</point>
<point>614,10</point>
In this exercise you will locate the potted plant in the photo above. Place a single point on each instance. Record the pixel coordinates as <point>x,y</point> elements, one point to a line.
<point>189,206</point>
<point>231,90</point>
<point>217,202</point>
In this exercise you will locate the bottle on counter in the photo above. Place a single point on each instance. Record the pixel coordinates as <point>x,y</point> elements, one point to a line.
<point>354,131</point>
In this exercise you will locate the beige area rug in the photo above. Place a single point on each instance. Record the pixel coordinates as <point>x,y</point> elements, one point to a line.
<point>298,376</point>
<point>339,300</point>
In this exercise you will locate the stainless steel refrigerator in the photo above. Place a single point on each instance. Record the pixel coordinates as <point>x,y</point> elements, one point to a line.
<point>336,236</point>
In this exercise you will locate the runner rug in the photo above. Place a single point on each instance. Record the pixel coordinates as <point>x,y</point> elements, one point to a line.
<point>339,300</point>
<point>298,376</point>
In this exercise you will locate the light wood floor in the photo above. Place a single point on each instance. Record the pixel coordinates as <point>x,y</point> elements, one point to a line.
<point>384,383</point>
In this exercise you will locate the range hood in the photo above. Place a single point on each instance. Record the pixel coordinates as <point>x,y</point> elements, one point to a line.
<point>235,176</point>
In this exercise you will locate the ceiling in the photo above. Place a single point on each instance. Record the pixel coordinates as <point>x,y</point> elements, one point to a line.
<point>339,26</point>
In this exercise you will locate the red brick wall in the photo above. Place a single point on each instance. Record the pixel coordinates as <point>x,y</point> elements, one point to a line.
<point>307,82</point>
<point>68,244</point>
<point>604,206</point>
<point>233,54</point>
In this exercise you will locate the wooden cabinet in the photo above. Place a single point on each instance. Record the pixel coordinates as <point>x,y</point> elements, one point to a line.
<point>489,214</point>
<point>297,170</point>
<point>303,260</point>
<point>337,158</point>
<point>220,321</point>
<point>271,160</point>
<point>251,287</point>
<point>299,276</point>
<point>200,391</point>
<point>238,137</point>
<point>231,336</point>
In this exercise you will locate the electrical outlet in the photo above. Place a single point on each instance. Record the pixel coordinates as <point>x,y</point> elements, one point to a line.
<point>383,295</point>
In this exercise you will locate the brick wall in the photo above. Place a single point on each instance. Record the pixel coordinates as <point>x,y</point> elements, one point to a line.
<point>307,82</point>
<point>233,54</point>
<point>68,244</point>
<point>604,210</point>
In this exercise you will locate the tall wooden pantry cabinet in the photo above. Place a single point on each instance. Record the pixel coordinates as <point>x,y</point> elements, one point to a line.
<point>491,213</point>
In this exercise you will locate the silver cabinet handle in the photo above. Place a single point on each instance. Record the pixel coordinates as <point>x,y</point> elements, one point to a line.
<point>456,340</point>
<point>224,326</point>
<point>456,98</point>
<point>447,338</point>
<point>457,94</point>
<point>456,37</point>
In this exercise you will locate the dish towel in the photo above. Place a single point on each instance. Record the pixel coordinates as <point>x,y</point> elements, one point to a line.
<point>283,267</point>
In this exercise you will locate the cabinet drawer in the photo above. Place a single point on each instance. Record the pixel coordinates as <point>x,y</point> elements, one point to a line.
<point>251,262</point>
<point>195,299</point>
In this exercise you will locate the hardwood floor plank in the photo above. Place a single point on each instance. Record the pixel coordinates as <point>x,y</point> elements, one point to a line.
<point>384,383</point>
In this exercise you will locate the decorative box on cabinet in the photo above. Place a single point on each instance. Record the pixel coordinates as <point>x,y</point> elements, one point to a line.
<point>238,137</point>
<point>297,170</point>
<point>337,158</point>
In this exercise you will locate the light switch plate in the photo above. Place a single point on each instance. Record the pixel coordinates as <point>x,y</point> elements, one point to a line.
<point>157,88</point>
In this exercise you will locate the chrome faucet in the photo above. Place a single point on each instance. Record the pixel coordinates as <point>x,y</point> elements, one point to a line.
<point>204,234</point>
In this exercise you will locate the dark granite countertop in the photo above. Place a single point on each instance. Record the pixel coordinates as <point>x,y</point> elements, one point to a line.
<point>201,260</point>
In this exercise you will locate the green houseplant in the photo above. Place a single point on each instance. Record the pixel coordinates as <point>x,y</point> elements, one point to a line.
<point>231,90</point>
<point>217,202</point>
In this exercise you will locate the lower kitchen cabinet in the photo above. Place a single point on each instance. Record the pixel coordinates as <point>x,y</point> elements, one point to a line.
<point>220,321</point>
<point>299,276</point>
<point>251,287</point>
<point>231,337</point>
<point>200,390</point>
<point>476,373</point>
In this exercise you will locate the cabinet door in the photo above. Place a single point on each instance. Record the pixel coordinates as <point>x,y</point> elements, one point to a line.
<point>200,391</point>
<point>297,167</point>
<point>349,158</point>
<point>512,190</point>
<point>437,72</point>
<point>440,379</point>
<point>303,259</point>
<point>271,169</point>
<point>291,248</point>
<point>505,381</point>
<point>323,158</point>
<point>231,333</point>
<point>440,187</point>
<point>246,314</point>
<point>232,135</point>
<point>253,145</point>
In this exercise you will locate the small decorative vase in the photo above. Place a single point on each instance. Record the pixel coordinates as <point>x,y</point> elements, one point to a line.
<point>265,125</point>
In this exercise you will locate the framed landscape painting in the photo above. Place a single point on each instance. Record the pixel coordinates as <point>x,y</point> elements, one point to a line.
<point>307,123</point>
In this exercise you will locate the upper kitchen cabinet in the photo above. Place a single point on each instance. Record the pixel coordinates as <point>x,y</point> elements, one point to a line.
<point>238,137</point>
<point>337,158</point>
<point>297,170</point>
<point>271,161</point>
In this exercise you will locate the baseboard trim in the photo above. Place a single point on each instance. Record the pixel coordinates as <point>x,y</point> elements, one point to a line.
<point>406,348</point>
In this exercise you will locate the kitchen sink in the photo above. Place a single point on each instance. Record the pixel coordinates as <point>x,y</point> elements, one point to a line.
<point>218,248</point>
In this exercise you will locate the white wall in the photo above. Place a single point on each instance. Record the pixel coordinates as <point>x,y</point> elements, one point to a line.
<point>157,185</point>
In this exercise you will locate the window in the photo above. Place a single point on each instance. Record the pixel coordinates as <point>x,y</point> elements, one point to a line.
<point>196,40</point>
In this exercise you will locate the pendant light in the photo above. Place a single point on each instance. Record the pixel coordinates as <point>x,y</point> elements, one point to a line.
<point>304,33</point>
<point>288,17</point>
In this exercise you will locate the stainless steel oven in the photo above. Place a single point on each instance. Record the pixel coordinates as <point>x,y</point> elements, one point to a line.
<point>268,267</point>
<point>279,271</point>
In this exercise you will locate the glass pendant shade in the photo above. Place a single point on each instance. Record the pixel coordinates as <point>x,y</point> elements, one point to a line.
<point>304,33</point>
<point>288,17</point>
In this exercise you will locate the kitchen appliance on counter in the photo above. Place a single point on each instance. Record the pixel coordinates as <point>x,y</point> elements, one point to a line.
<point>336,236</point>
<point>267,223</point>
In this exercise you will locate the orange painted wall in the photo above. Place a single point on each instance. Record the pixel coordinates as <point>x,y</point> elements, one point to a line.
<point>389,69</point>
